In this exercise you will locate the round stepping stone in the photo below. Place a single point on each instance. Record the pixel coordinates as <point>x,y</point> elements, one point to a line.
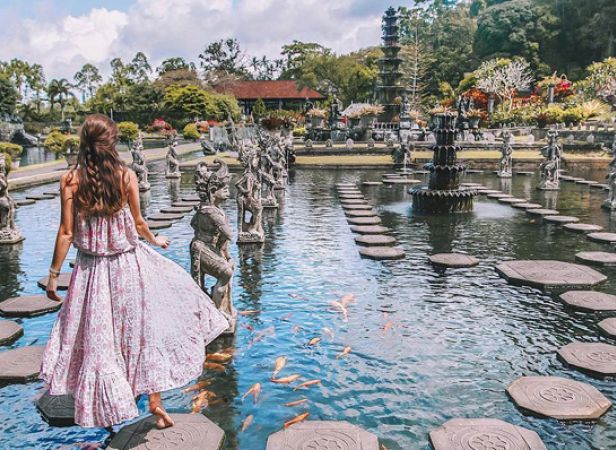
<point>606,238</point>
<point>472,185</point>
<point>511,201</point>
<point>608,326</point>
<point>354,201</point>
<point>323,435</point>
<point>596,358</point>
<point>340,185</point>
<point>549,274</point>
<point>364,220</point>
<point>523,173</point>
<point>582,227</point>
<point>165,217</point>
<point>589,300</point>
<point>370,229</point>
<point>184,204</point>
<point>372,183</point>
<point>159,224</point>
<point>453,260</point>
<point>28,306</point>
<point>381,253</point>
<point>40,197</point>
<point>401,181</point>
<point>21,364</point>
<point>527,205</point>
<point>569,179</point>
<point>360,213</point>
<point>57,410</point>
<point>488,191</point>
<point>586,182</point>
<point>177,210</point>
<point>191,431</point>
<point>55,193</point>
<point>357,207</point>
<point>542,212</point>
<point>9,332</point>
<point>375,240</point>
<point>499,195</point>
<point>597,258</point>
<point>561,220</point>
<point>558,398</point>
<point>484,434</point>
<point>191,198</point>
<point>25,202</point>
<point>354,192</point>
<point>351,196</point>
<point>422,172</point>
<point>391,175</point>
<point>63,281</point>
<point>600,186</point>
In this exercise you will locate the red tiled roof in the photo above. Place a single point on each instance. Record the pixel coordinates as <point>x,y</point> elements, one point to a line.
<point>269,89</point>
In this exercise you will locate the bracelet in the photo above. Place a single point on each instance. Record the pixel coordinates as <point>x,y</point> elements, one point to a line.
<point>54,272</point>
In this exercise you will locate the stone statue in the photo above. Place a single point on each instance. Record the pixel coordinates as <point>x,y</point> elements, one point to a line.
<point>209,248</point>
<point>506,163</point>
<point>9,233</point>
<point>334,112</point>
<point>139,166</point>
<point>278,154</point>
<point>266,172</point>
<point>550,166</point>
<point>172,169</point>
<point>610,202</point>
<point>249,200</point>
<point>405,107</point>
<point>308,106</point>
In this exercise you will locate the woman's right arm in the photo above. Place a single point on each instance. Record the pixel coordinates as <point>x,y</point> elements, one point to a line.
<point>135,210</point>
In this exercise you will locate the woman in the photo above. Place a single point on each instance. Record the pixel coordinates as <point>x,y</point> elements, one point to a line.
<point>133,322</point>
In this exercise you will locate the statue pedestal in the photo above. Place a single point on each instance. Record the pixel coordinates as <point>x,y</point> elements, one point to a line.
<point>269,203</point>
<point>144,187</point>
<point>232,325</point>
<point>10,237</point>
<point>247,237</point>
<point>504,174</point>
<point>174,175</point>
<point>549,186</point>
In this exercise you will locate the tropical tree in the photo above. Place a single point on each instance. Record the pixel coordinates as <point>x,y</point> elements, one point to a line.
<point>222,61</point>
<point>87,80</point>
<point>59,91</point>
<point>173,64</point>
<point>8,95</point>
<point>504,78</point>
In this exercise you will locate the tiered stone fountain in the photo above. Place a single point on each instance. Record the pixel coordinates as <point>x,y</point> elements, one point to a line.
<point>443,193</point>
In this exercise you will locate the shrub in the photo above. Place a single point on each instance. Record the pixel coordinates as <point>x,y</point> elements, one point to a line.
<point>259,109</point>
<point>13,150</point>
<point>550,115</point>
<point>573,115</point>
<point>71,144</point>
<point>299,132</point>
<point>54,142</point>
<point>129,131</point>
<point>191,132</point>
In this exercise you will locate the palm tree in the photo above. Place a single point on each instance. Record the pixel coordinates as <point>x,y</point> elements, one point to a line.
<point>59,91</point>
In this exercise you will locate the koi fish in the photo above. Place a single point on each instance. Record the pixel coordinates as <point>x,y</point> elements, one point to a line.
<point>296,329</point>
<point>344,352</point>
<point>286,380</point>
<point>219,357</point>
<point>347,299</point>
<point>204,395</point>
<point>314,341</point>
<point>281,361</point>
<point>296,402</point>
<point>248,327</point>
<point>228,350</point>
<point>307,384</point>
<point>198,405</point>
<point>340,308</point>
<point>295,420</point>
<point>286,317</point>
<point>328,332</point>
<point>214,366</point>
<point>248,312</point>
<point>247,422</point>
<point>255,390</point>
<point>198,386</point>
<point>216,402</point>
<point>388,326</point>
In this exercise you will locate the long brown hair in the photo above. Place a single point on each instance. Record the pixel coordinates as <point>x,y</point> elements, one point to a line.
<point>99,169</point>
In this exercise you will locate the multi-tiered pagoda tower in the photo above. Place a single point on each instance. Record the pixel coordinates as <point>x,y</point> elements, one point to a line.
<point>389,86</point>
<point>443,193</point>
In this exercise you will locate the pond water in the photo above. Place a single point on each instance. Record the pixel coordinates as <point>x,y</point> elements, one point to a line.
<point>459,338</point>
<point>36,155</point>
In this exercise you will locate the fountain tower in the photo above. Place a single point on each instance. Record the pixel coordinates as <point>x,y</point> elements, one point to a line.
<point>390,85</point>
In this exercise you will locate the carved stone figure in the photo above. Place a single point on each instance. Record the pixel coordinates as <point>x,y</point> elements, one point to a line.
<point>209,248</point>
<point>610,202</point>
<point>249,200</point>
<point>139,165</point>
<point>279,169</point>
<point>9,233</point>
<point>334,112</point>
<point>550,166</point>
<point>266,172</point>
<point>172,169</point>
<point>506,162</point>
<point>405,107</point>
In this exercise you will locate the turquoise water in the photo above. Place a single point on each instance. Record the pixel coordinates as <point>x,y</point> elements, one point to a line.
<point>459,338</point>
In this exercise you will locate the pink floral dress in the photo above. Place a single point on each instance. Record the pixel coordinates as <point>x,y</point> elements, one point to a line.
<point>133,322</point>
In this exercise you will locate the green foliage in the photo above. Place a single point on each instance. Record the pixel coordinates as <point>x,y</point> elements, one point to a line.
<point>299,132</point>
<point>54,142</point>
<point>12,150</point>
<point>190,132</point>
<point>8,96</point>
<point>71,144</point>
<point>601,80</point>
<point>129,131</point>
<point>185,104</point>
<point>259,109</point>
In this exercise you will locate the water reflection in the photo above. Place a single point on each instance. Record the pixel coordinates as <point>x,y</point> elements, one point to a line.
<point>145,198</point>
<point>10,269</point>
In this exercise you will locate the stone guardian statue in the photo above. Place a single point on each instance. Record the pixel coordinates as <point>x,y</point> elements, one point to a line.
<point>506,162</point>
<point>249,200</point>
<point>172,167</point>
<point>139,165</point>
<point>9,233</point>
<point>610,202</point>
<point>550,176</point>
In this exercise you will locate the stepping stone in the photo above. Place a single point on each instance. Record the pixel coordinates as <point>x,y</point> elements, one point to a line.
<point>527,205</point>
<point>523,173</point>
<point>190,432</point>
<point>57,410</point>
<point>63,281</point>
<point>586,182</point>
<point>28,306</point>
<point>472,185</point>
<point>177,209</point>
<point>381,253</point>
<point>473,171</point>
<point>597,258</point>
<point>364,220</point>
<point>401,181</point>
<point>488,191</point>
<point>422,172</point>
<point>9,332</point>
<point>364,213</point>
<point>357,207</point>
<point>375,240</point>
<point>40,197</point>
<point>542,212</point>
<point>370,229</point>
<point>558,398</point>
<point>570,179</point>
<point>21,364</point>
<point>184,204</point>
<point>453,260</point>
<point>323,435</point>
<point>372,183</point>
<point>511,201</point>
<point>351,196</point>
<point>589,300</point>
<point>484,434</point>
<point>606,238</point>
<point>582,227</point>
<point>549,274</point>
<point>561,220</point>
<point>25,202</point>
<point>391,175</point>
<point>499,195</point>
<point>354,201</point>
<point>349,191</point>
<point>595,358</point>
<point>159,224</point>
<point>164,217</point>
<point>340,185</point>
<point>599,186</point>
<point>52,193</point>
<point>191,198</point>
<point>608,326</point>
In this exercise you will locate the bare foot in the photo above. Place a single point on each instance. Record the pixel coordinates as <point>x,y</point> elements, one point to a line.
<point>164,420</point>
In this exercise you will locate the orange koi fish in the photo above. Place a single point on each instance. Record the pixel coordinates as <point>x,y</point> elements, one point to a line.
<point>286,380</point>
<point>388,326</point>
<point>255,390</point>
<point>214,366</point>
<point>307,384</point>
<point>249,312</point>
<point>328,332</point>
<point>281,361</point>
<point>347,299</point>
<point>219,357</point>
<point>198,386</point>
<point>296,402</point>
<point>295,420</point>
<point>314,341</point>
<point>247,422</point>
<point>344,352</point>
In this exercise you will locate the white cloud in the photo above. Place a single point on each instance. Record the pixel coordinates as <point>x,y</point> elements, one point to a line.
<point>164,28</point>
